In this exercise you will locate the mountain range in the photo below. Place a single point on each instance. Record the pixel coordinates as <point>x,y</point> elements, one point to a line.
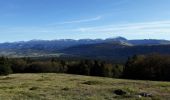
<point>110,48</point>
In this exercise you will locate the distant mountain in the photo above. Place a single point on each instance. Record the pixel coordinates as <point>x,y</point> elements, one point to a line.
<point>41,47</point>
<point>106,48</point>
<point>115,51</point>
<point>148,42</point>
<point>117,39</point>
<point>53,45</point>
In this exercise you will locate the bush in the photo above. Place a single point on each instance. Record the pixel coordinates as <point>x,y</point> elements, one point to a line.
<point>19,66</point>
<point>149,67</point>
<point>5,70</point>
<point>43,67</point>
<point>5,67</point>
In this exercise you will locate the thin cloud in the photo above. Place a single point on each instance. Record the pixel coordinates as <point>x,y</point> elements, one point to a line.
<point>83,20</point>
<point>135,28</point>
<point>79,21</point>
<point>155,29</point>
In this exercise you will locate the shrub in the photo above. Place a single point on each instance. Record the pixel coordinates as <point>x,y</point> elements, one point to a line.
<point>5,69</point>
<point>150,67</point>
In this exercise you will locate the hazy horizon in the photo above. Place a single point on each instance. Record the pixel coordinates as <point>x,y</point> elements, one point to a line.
<point>83,19</point>
<point>81,39</point>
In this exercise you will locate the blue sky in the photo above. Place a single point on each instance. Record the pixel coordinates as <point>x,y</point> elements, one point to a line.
<point>76,19</point>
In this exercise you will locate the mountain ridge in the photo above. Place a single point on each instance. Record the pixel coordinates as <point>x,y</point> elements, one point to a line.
<point>65,46</point>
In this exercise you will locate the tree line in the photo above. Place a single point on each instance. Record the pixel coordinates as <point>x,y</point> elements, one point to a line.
<point>142,67</point>
<point>148,67</point>
<point>54,65</point>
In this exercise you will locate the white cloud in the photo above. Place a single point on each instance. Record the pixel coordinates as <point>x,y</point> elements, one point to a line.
<point>135,28</point>
<point>79,21</point>
<point>83,20</point>
<point>156,29</point>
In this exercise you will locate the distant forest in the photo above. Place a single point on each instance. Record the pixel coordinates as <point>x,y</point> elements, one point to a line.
<point>141,67</point>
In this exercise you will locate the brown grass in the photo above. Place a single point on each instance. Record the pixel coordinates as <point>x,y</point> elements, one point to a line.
<point>76,87</point>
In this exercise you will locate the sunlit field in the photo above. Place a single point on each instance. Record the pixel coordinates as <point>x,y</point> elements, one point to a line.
<point>76,87</point>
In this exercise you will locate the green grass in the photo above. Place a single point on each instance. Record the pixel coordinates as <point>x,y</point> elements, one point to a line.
<point>76,87</point>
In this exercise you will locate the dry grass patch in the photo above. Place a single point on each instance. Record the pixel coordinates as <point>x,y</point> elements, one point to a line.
<point>76,87</point>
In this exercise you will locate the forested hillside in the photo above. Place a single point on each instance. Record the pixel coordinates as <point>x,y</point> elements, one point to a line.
<point>142,67</point>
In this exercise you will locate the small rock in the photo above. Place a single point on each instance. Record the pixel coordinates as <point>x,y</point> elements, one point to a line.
<point>119,92</point>
<point>138,96</point>
<point>33,88</point>
<point>65,89</point>
<point>144,94</point>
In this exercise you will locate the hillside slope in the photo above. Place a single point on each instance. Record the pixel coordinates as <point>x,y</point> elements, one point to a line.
<point>115,50</point>
<point>76,87</point>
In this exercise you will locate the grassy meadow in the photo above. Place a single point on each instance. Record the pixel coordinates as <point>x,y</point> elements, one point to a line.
<point>75,87</point>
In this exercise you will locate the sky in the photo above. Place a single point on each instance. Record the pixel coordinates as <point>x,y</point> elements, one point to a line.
<point>23,20</point>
